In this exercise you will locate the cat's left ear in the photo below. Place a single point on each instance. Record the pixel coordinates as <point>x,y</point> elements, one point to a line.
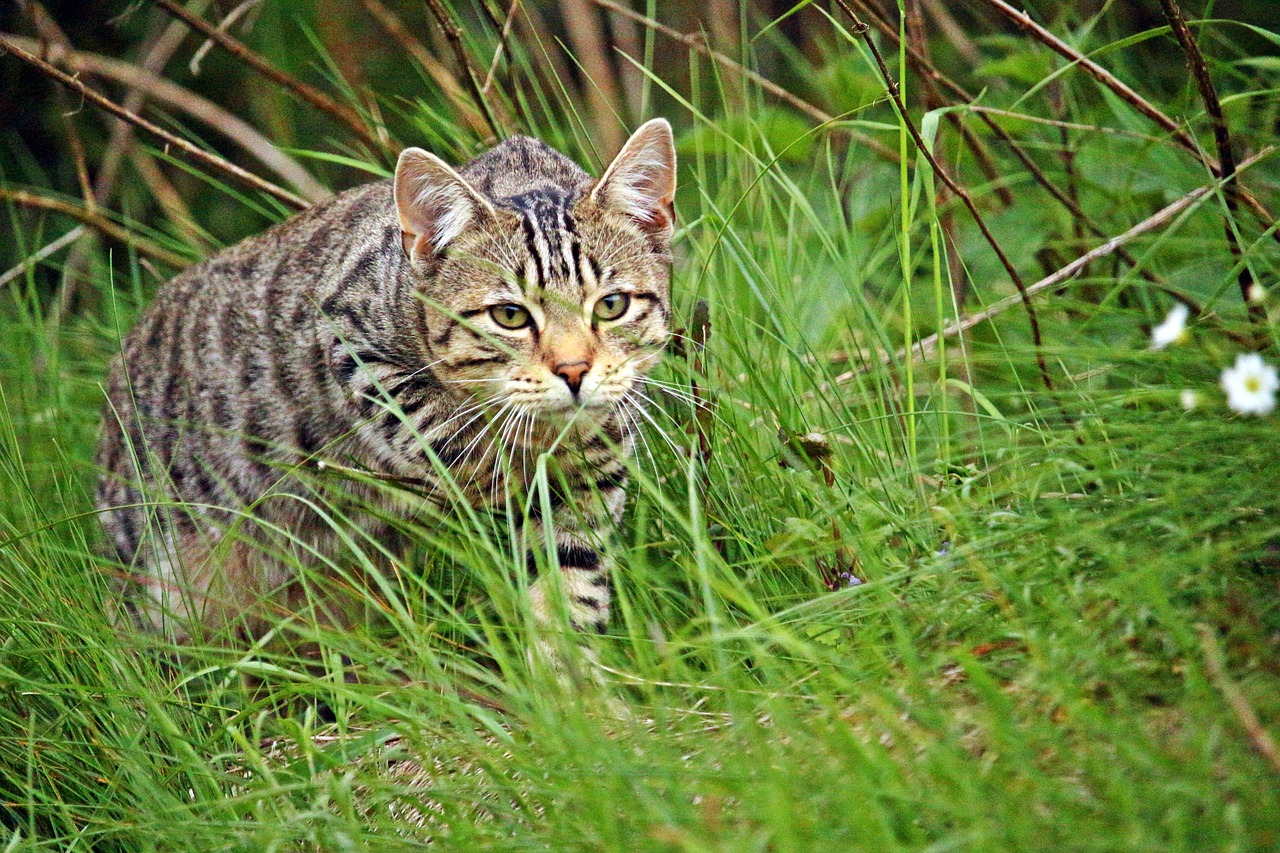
<point>641,180</point>
<point>435,204</point>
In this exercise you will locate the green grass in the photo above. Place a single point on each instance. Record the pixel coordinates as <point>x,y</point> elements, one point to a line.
<point>1024,664</point>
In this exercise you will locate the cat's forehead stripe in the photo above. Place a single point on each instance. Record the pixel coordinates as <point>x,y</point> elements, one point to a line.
<point>551,238</point>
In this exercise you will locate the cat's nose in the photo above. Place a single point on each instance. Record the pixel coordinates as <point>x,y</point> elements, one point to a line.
<point>572,374</point>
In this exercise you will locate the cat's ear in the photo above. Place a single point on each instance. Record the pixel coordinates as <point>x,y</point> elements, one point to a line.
<point>641,180</point>
<point>435,204</point>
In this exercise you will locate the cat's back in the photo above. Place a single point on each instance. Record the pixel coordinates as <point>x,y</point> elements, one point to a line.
<point>226,364</point>
<point>301,251</point>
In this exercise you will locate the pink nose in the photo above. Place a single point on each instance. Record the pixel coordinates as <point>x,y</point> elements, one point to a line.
<point>572,374</point>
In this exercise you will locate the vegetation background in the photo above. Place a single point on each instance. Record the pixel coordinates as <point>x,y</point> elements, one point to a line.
<point>929,547</point>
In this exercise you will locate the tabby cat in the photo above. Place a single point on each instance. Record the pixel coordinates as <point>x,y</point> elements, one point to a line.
<point>435,327</point>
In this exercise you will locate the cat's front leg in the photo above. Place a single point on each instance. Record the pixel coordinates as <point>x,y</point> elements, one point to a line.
<point>573,585</point>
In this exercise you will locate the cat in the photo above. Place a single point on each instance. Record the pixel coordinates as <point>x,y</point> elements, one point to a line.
<point>410,329</point>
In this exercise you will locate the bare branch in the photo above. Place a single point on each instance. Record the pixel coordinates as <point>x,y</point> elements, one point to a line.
<point>924,346</point>
<point>313,96</point>
<point>1221,140</point>
<point>165,91</point>
<point>927,70</point>
<point>95,220</point>
<point>198,154</point>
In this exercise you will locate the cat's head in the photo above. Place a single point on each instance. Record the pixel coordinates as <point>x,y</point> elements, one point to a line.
<point>554,300</point>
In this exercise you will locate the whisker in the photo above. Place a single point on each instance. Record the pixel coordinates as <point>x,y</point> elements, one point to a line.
<point>653,404</point>
<point>496,444</point>
<point>507,439</point>
<point>684,397</point>
<point>645,414</point>
<point>488,427</point>
<point>675,391</point>
<point>478,408</point>
<point>525,444</point>
<point>638,439</point>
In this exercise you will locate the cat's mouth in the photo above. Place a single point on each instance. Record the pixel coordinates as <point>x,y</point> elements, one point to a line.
<point>593,406</point>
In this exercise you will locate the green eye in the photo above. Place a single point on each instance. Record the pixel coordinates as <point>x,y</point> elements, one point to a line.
<point>510,315</point>
<point>613,306</point>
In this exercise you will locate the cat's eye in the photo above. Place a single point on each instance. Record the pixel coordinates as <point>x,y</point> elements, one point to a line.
<point>510,315</point>
<point>613,306</point>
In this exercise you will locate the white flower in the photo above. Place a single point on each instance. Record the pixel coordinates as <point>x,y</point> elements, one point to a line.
<point>1172,329</point>
<point>1257,293</point>
<point>1250,385</point>
<point>1189,399</point>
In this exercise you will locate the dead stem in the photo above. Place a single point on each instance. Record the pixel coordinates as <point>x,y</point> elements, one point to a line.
<point>1097,72</point>
<point>696,44</point>
<point>454,36</point>
<point>198,154</point>
<point>1216,669</point>
<point>1158,219</point>
<point>313,96</point>
<point>1221,141</point>
<point>1059,123</point>
<point>918,45</point>
<point>40,254</point>
<point>96,220</point>
<point>585,29</point>
<point>1106,78</point>
<point>439,72</point>
<point>237,130</point>
<point>503,36</point>
<point>862,30</point>
<point>933,100</point>
<point>928,71</point>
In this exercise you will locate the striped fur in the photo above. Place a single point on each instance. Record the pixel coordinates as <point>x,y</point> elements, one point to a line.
<point>364,332</point>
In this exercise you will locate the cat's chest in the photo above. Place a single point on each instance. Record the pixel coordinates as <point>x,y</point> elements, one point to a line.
<point>490,463</point>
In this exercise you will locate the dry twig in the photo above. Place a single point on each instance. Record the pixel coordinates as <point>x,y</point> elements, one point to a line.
<point>42,253</point>
<point>1023,21</point>
<point>697,45</point>
<point>502,46</point>
<point>438,71</point>
<point>454,36</point>
<point>95,220</point>
<point>927,70</point>
<point>313,96</point>
<point>234,128</point>
<point>924,346</point>
<point>1222,141</point>
<point>586,34</point>
<point>891,87</point>
<point>1216,669</point>
<point>1125,93</point>
<point>198,154</point>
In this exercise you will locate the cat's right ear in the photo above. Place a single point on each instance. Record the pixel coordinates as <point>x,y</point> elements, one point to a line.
<point>435,204</point>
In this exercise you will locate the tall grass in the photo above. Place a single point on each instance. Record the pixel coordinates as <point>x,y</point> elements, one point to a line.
<point>871,602</point>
